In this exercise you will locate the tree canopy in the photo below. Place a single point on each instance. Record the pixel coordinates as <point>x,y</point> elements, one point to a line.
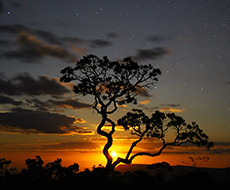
<point>113,83</point>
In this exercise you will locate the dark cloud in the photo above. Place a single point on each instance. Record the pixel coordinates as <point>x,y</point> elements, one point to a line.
<point>98,43</point>
<point>28,121</point>
<point>47,36</point>
<point>73,40</point>
<point>38,104</point>
<point>171,105</point>
<point>70,103</point>
<point>32,45</point>
<point>4,43</point>
<point>159,38</point>
<point>73,145</point>
<point>148,108</point>
<point>112,35</point>
<point>221,148</point>
<point>25,84</point>
<point>31,49</point>
<point>50,104</point>
<point>13,28</point>
<point>17,5</point>
<point>8,100</point>
<point>154,53</point>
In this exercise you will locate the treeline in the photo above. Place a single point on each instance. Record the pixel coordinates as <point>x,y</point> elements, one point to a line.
<point>54,176</point>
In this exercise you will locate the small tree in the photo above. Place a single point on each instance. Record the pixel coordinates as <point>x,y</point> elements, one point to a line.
<point>117,83</point>
<point>3,166</point>
<point>197,162</point>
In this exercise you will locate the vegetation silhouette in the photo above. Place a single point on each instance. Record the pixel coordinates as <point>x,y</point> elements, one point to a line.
<point>112,84</point>
<point>197,162</point>
<point>54,176</point>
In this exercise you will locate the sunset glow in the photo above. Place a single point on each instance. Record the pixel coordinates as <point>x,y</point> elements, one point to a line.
<point>113,154</point>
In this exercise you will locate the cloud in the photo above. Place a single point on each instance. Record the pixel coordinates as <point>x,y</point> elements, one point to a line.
<point>221,148</point>
<point>25,84</point>
<point>147,101</point>
<point>70,103</point>
<point>8,100</point>
<point>159,38</point>
<point>73,40</point>
<point>112,35</point>
<point>98,43</point>
<point>154,53</point>
<point>168,109</point>
<point>47,36</point>
<point>75,145</point>
<point>17,5</point>
<point>4,43</point>
<point>28,121</point>
<point>33,45</point>
<point>31,49</point>
<point>51,104</point>
<point>171,105</point>
<point>142,91</point>
<point>109,127</point>
<point>150,109</point>
<point>14,29</point>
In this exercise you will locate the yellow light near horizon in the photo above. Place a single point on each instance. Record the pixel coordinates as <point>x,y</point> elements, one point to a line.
<point>113,154</point>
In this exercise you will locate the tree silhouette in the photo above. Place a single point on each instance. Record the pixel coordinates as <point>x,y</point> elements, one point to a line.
<point>52,170</point>
<point>157,126</point>
<point>3,166</point>
<point>113,83</point>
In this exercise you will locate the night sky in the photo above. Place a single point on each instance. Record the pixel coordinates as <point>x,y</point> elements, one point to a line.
<point>188,40</point>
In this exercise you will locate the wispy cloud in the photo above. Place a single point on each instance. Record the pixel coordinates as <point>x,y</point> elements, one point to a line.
<point>159,38</point>
<point>32,49</point>
<point>147,101</point>
<point>32,45</point>
<point>98,43</point>
<point>9,100</point>
<point>153,53</point>
<point>168,109</point>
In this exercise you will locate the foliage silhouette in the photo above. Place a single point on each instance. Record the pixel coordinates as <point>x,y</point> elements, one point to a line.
<point>157,126</point>
<point>197,162</point>
<point>4,166</point>
<point>52,175</point>
<point>117,83</point>
<point>194,180</point>
<point>161,168</point>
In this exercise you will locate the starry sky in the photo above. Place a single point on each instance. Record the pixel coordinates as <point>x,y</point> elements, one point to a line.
<point>188,40</point>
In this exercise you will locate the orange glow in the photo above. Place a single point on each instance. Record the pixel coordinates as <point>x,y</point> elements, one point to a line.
<point>113,154</point>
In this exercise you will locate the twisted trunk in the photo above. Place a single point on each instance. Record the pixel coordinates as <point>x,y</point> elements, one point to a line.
<point>109,138</point>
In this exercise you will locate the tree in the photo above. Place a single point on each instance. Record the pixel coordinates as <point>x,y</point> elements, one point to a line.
<point>111,84</point>
<point>197,162</point>
<point>3,166</point>
<point>52,170</point>
<point>157,126</point>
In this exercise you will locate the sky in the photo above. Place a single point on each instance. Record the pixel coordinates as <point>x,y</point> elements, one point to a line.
<point>188,40</point>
